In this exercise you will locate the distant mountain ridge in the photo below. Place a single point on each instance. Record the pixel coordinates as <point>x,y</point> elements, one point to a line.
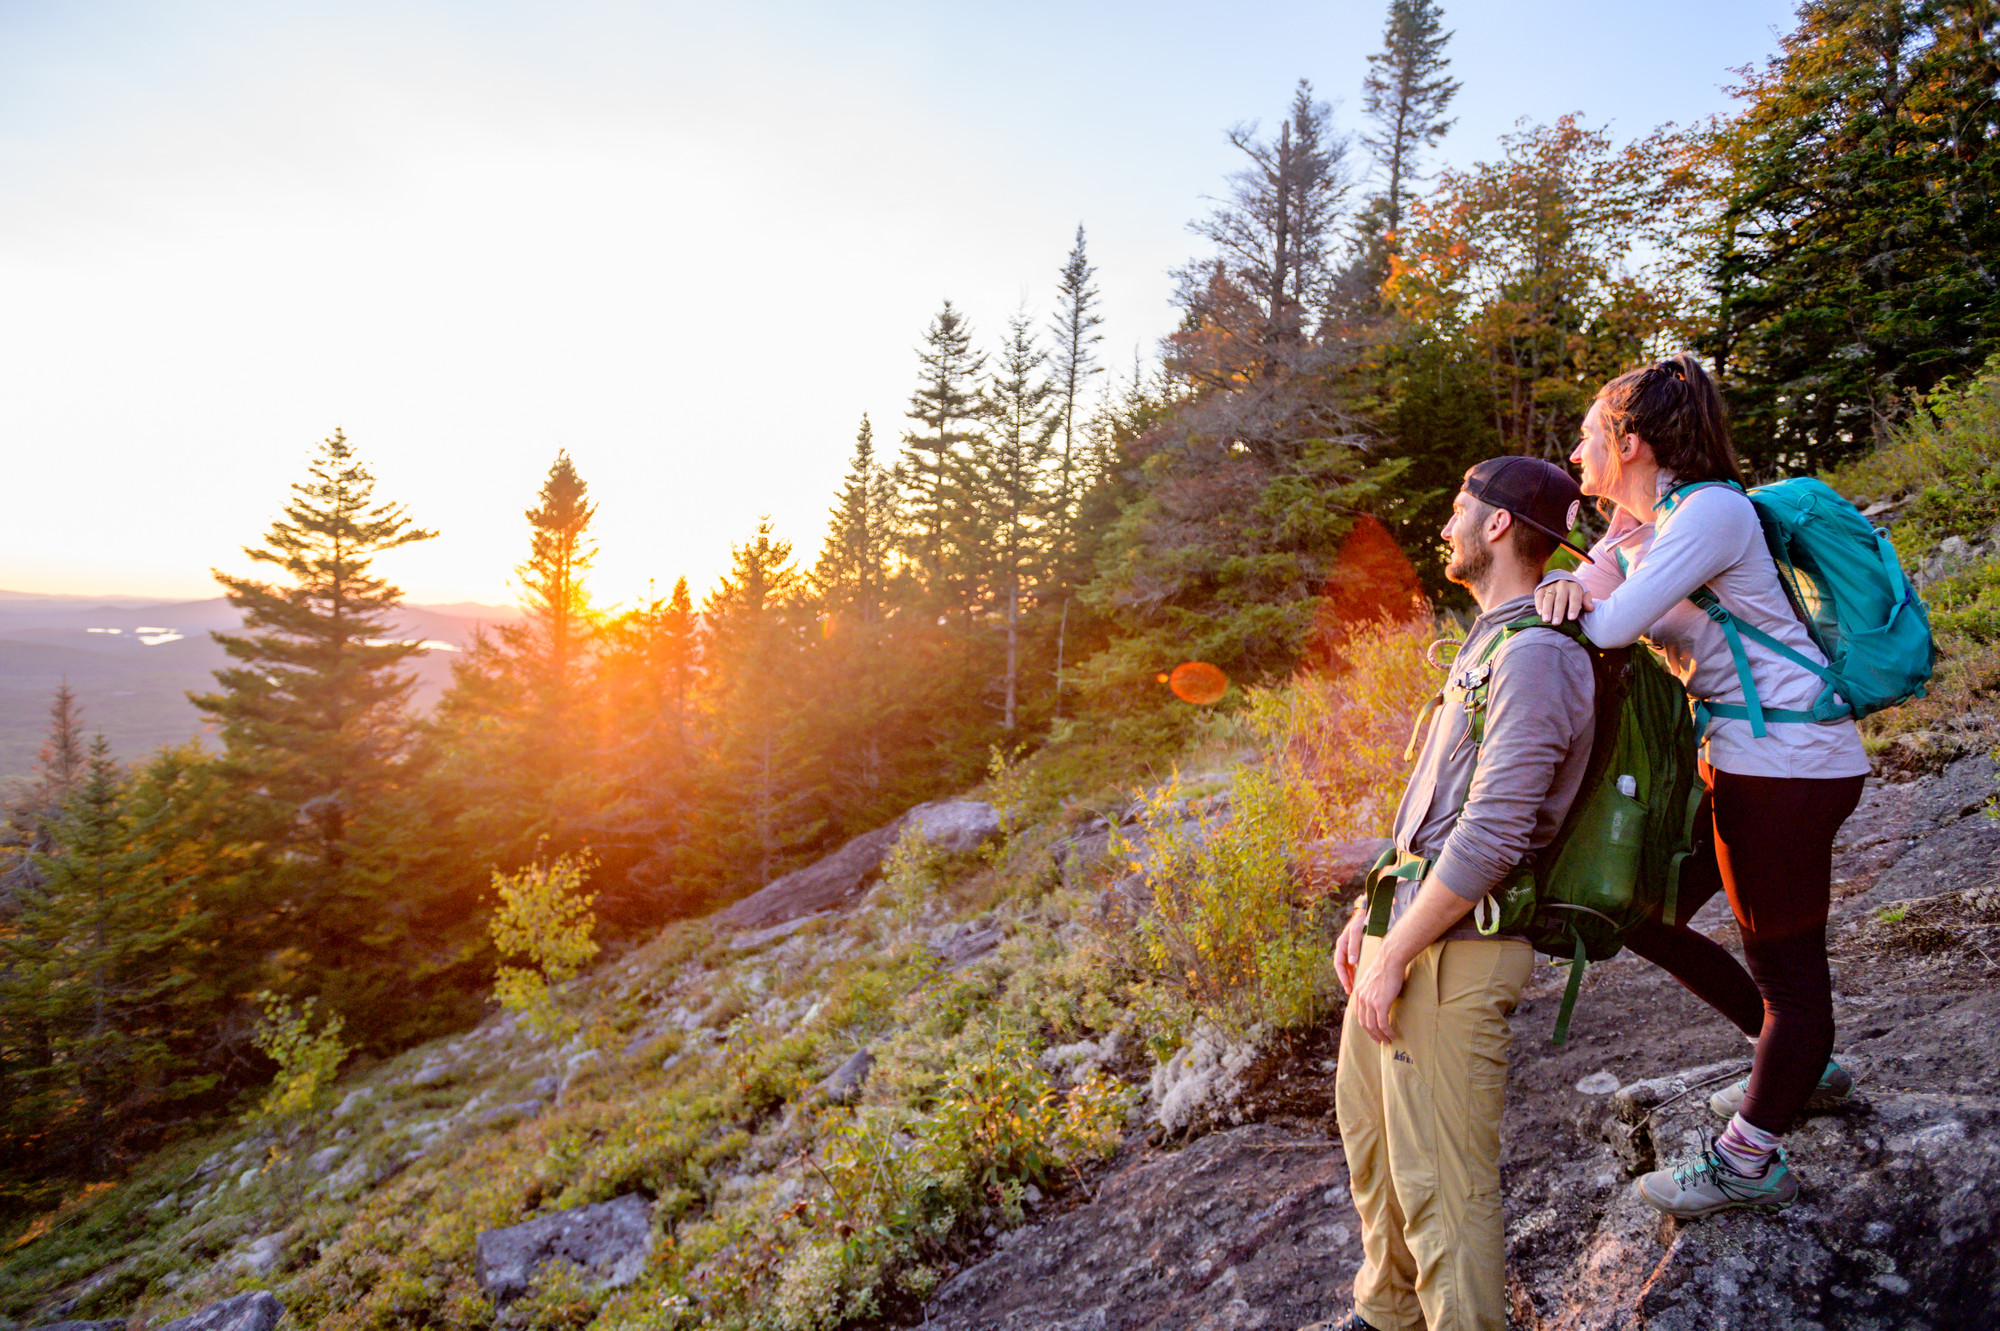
<point>132,661</point>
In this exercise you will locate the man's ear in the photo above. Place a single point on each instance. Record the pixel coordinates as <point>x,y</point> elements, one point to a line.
<point>1498,523</point>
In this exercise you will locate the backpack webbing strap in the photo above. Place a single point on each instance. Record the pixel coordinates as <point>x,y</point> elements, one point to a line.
<point>1382,882</point>
<point>1577,964</point>
<point>1670,899</point>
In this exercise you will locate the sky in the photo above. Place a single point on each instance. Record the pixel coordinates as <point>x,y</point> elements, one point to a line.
<point>689,243</point>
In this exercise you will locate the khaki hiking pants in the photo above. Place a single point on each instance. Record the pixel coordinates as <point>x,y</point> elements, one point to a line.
<point>1420,1126</point>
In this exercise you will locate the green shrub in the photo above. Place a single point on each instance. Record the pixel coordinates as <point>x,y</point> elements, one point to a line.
<point>307,1059</point>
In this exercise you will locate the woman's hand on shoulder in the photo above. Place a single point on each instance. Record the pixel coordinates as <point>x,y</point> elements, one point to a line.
<point>1562,599</point>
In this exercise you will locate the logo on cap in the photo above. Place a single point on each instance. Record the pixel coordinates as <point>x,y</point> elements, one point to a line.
<point>1575,507</point>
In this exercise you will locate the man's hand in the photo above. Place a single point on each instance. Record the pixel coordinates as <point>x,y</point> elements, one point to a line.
<point>1375,992</point>
<point>1562,599</point>
<point>1347,948</point>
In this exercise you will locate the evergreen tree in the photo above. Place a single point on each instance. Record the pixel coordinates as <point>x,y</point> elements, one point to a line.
<point>96,957</point>
<point>1010,483</point>
<point>1251,306</point>
<point>945,402</point>
<point>518,741</point>
<point>1858,252</point>
<point>31,818</point>
<point>314,726</point>
<point>1405,96</point>
<point>852,572</point>
<point>758,628</point>
<point>560,553</point>
<point>648,669</point>
<point>1072,365</point>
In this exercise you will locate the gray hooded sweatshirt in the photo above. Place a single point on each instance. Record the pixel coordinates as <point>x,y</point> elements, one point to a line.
<point>1475,821</point>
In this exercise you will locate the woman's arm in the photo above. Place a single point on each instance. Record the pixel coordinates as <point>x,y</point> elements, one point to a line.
<point>1709,532</point>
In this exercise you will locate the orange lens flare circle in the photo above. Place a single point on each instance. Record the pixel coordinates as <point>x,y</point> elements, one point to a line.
<point>1198,682</point>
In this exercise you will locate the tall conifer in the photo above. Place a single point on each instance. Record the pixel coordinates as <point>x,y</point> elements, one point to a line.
<point>1072,362</point>
<point>314,725</point>
<point>1011,484</point>
<point>945,403</point>
<point>1405,96</point>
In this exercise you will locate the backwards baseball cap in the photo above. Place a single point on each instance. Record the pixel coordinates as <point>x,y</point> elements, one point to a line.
<point>1535,491</point>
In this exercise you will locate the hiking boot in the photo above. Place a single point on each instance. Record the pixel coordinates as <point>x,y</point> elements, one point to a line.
<point>1834,1085</point>
<point>1706,1184</point>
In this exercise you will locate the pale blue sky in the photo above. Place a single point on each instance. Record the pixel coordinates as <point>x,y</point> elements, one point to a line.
<point>691,243</point>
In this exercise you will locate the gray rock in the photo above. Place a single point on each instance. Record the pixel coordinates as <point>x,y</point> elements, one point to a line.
<point>434,1074</point>
<point>255,1311</point>
<point>844,1083</point>
<point>1252,1219</point>
<point>949,825</point>
<point>261,1256</point>
<point>954,826</point>
<point>820,886</point>
<point>958,945</point>
<point>609,1241</point>
<point>506,1115</point>
<point>757,938</point>
<point>113,1324</point>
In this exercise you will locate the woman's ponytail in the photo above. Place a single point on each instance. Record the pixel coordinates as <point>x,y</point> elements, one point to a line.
<point>1675,407</point>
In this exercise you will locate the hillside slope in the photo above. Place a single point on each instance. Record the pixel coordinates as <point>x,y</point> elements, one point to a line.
<point>715,1094</point>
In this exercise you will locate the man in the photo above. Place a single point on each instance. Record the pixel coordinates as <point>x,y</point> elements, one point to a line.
<point>1423,1050</point>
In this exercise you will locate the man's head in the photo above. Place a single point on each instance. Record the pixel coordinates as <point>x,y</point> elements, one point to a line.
<point>1510,515</point>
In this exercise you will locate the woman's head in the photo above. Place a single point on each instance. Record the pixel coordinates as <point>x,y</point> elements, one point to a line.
<point>1673,406</point>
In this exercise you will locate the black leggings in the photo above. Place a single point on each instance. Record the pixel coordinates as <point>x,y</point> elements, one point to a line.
<point>1773,854</point>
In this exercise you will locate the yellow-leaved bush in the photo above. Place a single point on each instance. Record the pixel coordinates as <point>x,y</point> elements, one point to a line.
<point>545,920</point>
<point>307,1059</point>
<point>1233,934</point>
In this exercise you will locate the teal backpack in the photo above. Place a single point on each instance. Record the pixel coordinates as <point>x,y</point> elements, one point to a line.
<point>1847,587</point>
<point>1617,859</point>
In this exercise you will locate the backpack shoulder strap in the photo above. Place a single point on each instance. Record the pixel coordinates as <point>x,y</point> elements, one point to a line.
<point>1751,709</point>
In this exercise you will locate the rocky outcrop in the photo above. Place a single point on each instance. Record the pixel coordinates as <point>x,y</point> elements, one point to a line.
<point>256,1311</point>
<point>1895,1229</point>
<point>1245,1228</point>
<point>608,1242</point>
<point>950,825</point>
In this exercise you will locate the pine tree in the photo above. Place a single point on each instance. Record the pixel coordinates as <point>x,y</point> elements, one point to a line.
<point>560,553</point>
<point>945,402</point>
<point>1072,365</point>
<point>30,819</point>
<point>852,572</point>
<point>1009,482</point>
<point>314,725</point>
<point>517,741</point>
<point>758,628</point>
<point>1405,95</point>
<point>96,957</point>
<point>647,672</point>
<point>1267,285</point>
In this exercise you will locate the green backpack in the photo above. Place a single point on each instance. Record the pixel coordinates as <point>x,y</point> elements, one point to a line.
<point>1618,856</point>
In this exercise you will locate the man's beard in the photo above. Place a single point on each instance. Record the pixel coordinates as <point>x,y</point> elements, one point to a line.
<point>1471,567</point>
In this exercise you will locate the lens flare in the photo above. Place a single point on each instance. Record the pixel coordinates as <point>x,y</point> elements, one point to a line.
<point>1198,682</point>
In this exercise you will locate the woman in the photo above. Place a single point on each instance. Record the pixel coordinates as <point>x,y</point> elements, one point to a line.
<point>1650,441</point>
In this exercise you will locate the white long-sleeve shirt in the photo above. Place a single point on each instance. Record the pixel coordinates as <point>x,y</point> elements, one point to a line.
<point>1641,576</point>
